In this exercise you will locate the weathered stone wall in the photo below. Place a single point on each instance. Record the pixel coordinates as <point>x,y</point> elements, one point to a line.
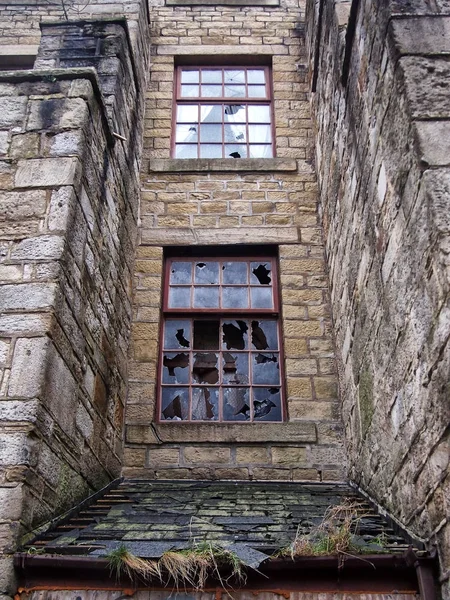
<point>69,207</point>
<point>246,201</point>
<point>383,168</point>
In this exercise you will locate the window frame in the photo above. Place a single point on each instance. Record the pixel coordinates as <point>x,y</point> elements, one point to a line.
<point>246,101</point>
<point>219,314</point>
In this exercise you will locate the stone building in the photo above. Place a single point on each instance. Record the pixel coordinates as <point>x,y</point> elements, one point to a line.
<point>224,241</point>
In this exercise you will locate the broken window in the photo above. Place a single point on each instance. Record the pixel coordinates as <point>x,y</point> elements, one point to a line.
<point>223,112</point>
<point>220,356</point>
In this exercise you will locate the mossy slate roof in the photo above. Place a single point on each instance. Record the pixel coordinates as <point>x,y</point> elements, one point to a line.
<point>151,517</point>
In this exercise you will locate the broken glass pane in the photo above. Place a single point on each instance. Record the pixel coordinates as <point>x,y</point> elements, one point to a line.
<point>177,334</point>
<point>179,297</point>
<point>260,273</point>
<point>236,404</point>
<point>235,113</point>
<point>235,367</point>
<point>234,272</point>
<point>234,91</point>
<point>266,404</point>
<point>206,335</point>
<point>205,367</point>
<point>235,335</point>
<point>205,404</point>
<point>265,335</point>
<point>265,368</point>
<point>206,297</point>
<point>187,133</point>
<point>235,133</point>
<point>175,367</point>
<point>180,272</point>
<point>234,76</point>
<point>175,404</point>
<point>206,273</point>
<point>235,297</point>
<point>235,151</point>
<point>261,297</point>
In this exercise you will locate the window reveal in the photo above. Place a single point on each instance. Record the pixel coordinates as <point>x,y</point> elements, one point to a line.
<point>223,113</point>
<point>223,362</point>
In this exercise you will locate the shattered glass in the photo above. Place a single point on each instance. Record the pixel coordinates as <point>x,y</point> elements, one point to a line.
<point>205,368</point>
<point>234,272</point>
<point>175,404</point>
<point>235,368</point>
<point>265,369</point>
<point>236,404</point>
<point>235,335</point>
<point>177,333</point>
<point>207,273</point>
<point>260,273</point>
<point>266,404</point>
<point>205,404</point>
<point>265,334</point>
<point>175,367</point>
<point>180,272</point>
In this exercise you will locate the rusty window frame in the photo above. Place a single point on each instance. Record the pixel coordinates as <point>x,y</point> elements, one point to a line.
<point>225,102</point>
<point>255,319</point>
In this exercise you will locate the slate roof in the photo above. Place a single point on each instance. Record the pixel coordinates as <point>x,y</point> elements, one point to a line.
<point>150,517</point>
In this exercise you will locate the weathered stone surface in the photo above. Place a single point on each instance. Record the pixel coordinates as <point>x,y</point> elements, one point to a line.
<point>434,142</point>
<point>46,172</point>
<point>12,110</point>
<point>426,95</point>
<point>20,205</point>
<point>30,356</point>
<point>421,35</point>
<point>27,296</point>
<point>43,247</point>
<point>224,164</point>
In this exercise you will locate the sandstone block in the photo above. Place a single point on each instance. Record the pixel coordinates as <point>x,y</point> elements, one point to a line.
<point>22,205</point>
<point>12,110</point>
<point>252,455</point>
<point>27,296</point>
<point>299,387</point>
<point>45,172</point>
<point>207,455</point>
<point>237,474</point>
<point>43,247</point>
<point>134,457</point>
<point>311,411</point>
<point>288,456</point>
<point>160,457</point>
<point>270,474</point>
<point>24,145</point>
<point>305,475</point>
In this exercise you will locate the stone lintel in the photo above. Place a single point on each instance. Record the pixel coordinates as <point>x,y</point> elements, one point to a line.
<point>202,165</point>
<point>222,432</point>
<point>205,50</point>
<point>237,235</point>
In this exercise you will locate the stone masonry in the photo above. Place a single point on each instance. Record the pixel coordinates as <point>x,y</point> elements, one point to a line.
<point>221,202</point>
<point>383,166</point>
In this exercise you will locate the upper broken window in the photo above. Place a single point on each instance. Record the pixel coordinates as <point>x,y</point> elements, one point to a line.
<point>220,358</point>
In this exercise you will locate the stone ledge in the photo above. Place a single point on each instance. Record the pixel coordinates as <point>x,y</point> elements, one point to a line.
<point>200,165</point>
<point>205,50</point>
<point>222,2</point>
<point>167,433</point>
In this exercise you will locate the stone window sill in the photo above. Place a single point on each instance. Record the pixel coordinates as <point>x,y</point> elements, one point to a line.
<point>169,433</point>
<point>223,2</point>
<point>222,164</point>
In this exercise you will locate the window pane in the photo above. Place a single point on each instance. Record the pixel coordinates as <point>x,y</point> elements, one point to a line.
<point>186,133</point>
<point>235,151</point>
<point>256,76</point>
<point>235,297</point>
<point>265,335</point>
<point>179,297</point>
<point>261,152</point>
<point>211,91</point>
<point>258,114</point>
<point>236,404</point>
<point>189,91</point>
<point>210,151</point>
<point>205,404</point>
<point>234,76</point>
<point>187,114</point>
<point>234,113</point>
<point>175,404</point>
<point>211,114</point>
<point>259,133</point>
<point>189,76</point>
<point>211,133</point>
<point>261,297</point>
<point>206,297</point>
<point>235,335</point>
<point>234,91</point>
<point>206,272</point>
<point>265,368</point>
<point>180,272</point>
<point>177,333</point>
<point>212,76</point>
<point>260,273</point>
<point>256,91</point>
<point>205,368</point>
<point>235,367</point>
<point>186,151</point>
<point>206,335</point>
<point>176,368</point>
<point>234,272</point>
<point>235,133</point>
<point>267,404</point>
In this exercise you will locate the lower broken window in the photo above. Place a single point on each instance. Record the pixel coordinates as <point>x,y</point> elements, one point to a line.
<point>217,365</point>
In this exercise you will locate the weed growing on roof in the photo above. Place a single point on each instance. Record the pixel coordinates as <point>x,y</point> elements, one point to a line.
<point>187,568</point>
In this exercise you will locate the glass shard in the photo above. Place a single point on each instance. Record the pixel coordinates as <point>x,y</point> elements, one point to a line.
<point>177,333</point>
<point>266,404</point>
<point>175,368</point>
<point>265,369</point>
<point>175,404</point>
<point>235,335</point>
<point>265,334</point>
<point>236,404</point>
<point>235,368</point>
<point>205,368</point>
<point>205,404</point>
<point>262,273</point>
<point>234,272</point>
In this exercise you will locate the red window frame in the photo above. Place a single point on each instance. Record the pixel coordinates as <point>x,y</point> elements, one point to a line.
<point>246,146</point>
<point>260,397</point>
